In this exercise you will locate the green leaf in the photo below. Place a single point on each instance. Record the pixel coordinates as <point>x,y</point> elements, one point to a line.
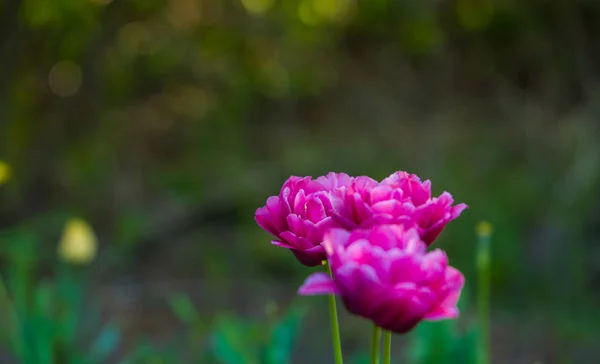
<point>43,299</point>
<point>465,349</point>
<point>22,257</point>
<point>140,353</point>
<point>232,342</point>
<point>106,343</point>
<point>433,343</point>
<point>183,308</point>
<point>283,336</point>
<point>360,358</point>
<point>38,338</point>
<point>70,285</point>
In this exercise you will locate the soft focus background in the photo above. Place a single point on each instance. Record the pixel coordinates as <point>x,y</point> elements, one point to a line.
<point>164,124</point>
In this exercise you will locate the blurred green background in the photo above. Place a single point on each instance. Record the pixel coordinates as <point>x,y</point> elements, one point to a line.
<point>166,123</point>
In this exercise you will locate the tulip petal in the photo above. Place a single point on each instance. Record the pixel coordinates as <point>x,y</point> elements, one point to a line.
<point>442,313</point>
<point>282,244</point>
<point>447,308</point>
<point>263,219</point>
<point>315,211</point>
<point>333,238</point>
<point>277,213</point>
<point>310,257</point>
<point>318,284</point>
<point>457,210</point>
<point>289,237</point>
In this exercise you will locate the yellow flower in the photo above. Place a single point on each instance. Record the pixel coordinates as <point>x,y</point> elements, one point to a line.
<point>484,229</point>
<point>5,172</point>
<point>78,244</point>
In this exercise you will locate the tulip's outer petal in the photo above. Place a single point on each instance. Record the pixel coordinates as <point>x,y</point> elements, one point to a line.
<point>433,216</point>
<point>457,210</point>
<point>401,325</point>
<point>282,244</point>
<point>310,257</point>
<point>263,219</point>
<point>306,245</point>
<point>445,199</point>
<point>359,287</point>
<point>318,284</point>
<point>430,234</point>
<point>447,308</point>
<point>290,238</point>
<point>442,313</point>
<point>401,311</point>
<point>277,212</point>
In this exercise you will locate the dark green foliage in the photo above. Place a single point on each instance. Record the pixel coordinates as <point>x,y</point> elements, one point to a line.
<point>238,341</point>
<point>443,343</point>
<point>44,317</point>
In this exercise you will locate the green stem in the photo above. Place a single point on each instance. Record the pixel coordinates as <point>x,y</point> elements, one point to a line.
<point>387,347</point>
<point>375,342</point>
<point>6,305</point>
<point>335,328</point>
<point>484,232</point>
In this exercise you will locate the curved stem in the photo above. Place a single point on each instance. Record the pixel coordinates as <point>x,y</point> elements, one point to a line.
<point>335,329</point>
<point>387,347</point>
<point>375,341</point>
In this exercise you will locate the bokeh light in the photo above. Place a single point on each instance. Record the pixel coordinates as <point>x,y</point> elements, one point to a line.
<point>134,38</point>
<point>101,2</point>
<point>257,6</point>
<point>65,78</point>
<point>315,11</point>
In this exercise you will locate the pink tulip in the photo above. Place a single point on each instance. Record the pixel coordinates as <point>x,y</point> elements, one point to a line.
<point>304,210</point>
<point>401,199</point>
<point>385,274</point>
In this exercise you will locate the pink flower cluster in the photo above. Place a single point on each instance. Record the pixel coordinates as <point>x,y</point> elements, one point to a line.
<point>375,236</point>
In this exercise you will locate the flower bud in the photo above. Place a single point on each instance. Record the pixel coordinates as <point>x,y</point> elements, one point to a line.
<point>78,244</point>
<point>5,172</point>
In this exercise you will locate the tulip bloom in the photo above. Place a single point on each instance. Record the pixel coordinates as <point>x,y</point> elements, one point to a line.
<point>304,210</point>
<point>385,274</point>
<point>401,199</point>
